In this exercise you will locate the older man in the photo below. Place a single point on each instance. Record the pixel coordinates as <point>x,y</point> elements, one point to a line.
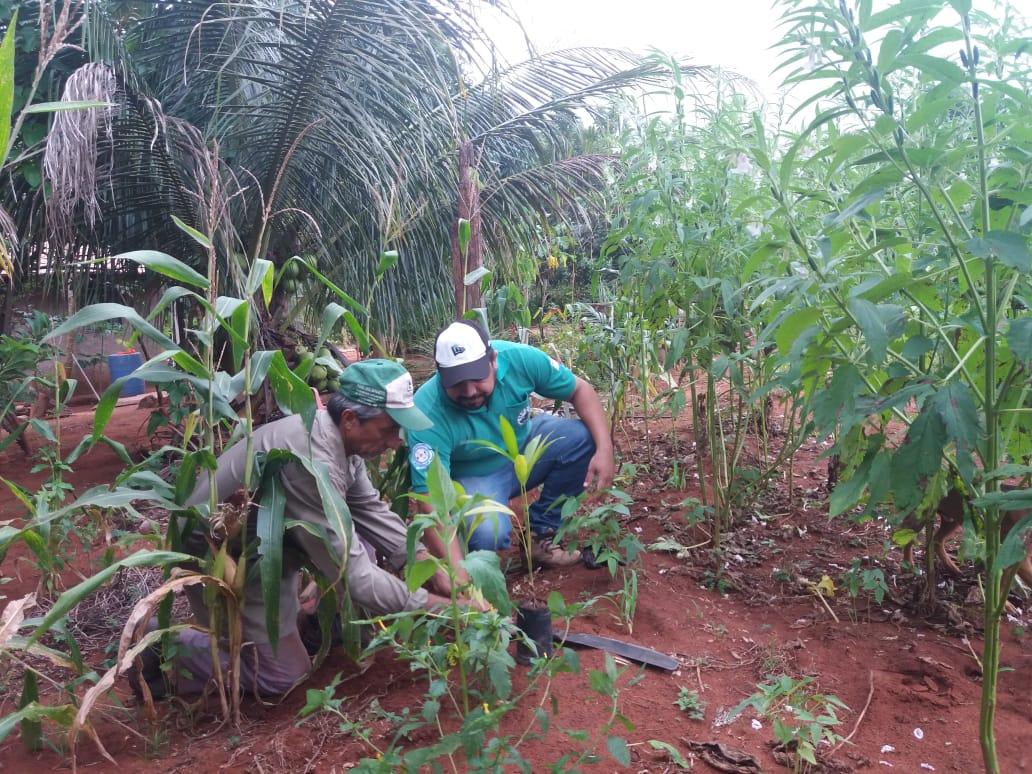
<point>362,420</point>
<point>478,381</point>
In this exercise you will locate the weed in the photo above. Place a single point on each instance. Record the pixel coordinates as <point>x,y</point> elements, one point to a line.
<point>695,512</point>
<point>781,576</point>
<point>690,704</point>
<point>624,601</point>
<point>676,479</point>
<point>871,580</point>
<point>719,631</point>
<point>802,718</point>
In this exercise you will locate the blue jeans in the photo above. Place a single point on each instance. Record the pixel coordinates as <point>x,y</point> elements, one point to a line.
<point>560,471</point>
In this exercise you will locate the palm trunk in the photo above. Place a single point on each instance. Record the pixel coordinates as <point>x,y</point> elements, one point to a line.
<point>468,209</point>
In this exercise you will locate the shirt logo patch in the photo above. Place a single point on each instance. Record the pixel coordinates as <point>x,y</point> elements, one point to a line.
<point>524,416</point>
<point>421,456</point>
<point>457,350</point>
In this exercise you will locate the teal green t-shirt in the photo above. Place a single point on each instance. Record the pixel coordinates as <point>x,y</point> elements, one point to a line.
<point>521,371</point>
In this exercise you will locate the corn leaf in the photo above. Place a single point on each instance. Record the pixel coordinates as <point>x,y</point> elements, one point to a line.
<point>271,504</point>
<point>7,84</point>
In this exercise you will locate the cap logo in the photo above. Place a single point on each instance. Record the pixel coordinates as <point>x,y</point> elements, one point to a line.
<point>457,350</point>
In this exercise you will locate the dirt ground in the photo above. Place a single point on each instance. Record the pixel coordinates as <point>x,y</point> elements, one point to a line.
<point>911,683</point>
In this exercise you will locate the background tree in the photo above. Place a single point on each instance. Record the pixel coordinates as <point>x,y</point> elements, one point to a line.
<point>342,124</point>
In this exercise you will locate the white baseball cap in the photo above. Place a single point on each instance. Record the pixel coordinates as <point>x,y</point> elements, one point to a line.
<point>461,353</point>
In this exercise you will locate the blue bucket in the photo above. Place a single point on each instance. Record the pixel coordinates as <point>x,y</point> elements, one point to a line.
<point>124,364</point>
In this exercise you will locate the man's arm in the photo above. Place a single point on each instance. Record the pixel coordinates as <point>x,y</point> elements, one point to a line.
<point>385,530</point>
<point>602,467</point>
<point>375,590</point>
<point>444,549</point>
<point>374,520</point>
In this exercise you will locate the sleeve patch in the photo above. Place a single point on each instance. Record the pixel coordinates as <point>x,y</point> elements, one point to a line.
<point>421,456</point>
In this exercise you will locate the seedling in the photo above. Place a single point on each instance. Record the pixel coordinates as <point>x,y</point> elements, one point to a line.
<point>523,463</point>
<point>802,719</point>
<point>690,704</point>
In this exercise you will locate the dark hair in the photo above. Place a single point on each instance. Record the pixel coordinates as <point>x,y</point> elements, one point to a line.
<point>339,403</point>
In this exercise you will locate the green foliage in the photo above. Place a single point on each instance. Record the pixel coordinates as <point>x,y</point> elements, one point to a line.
<point>20,377</point>
<point>341,102</point>
<point>206,411</point>
<point>897,217</point>
<point>690,704</point>
<point>677,273</point>
<point>600,530</point>
<point>802,718</point>
<point>523,462</point>
<point>859,579</point>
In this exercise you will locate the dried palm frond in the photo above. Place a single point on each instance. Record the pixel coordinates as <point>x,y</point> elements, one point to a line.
<point>70,163</point>
<point>8,244</point>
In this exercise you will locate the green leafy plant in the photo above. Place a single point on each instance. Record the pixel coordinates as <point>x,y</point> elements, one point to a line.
<point>858,579</point>
<point>690,704</point>
<point>462,652</point>
<point>600,530</point>
<point>803,719</point>
<point>900,292</point>
<point>193,363</point>
<point>523,463</point>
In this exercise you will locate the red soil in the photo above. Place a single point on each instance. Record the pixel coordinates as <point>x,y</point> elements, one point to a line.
<point>915,673</point>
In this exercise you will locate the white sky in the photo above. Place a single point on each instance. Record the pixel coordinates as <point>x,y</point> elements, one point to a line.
<point>734,34</point>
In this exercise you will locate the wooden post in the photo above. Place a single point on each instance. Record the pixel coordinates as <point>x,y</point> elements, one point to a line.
<point>467,298</point>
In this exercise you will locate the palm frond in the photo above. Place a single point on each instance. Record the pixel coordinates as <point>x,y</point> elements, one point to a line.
<point>340,121</point>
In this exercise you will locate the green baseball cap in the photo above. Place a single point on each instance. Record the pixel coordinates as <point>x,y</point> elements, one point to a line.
<point>384,384</point>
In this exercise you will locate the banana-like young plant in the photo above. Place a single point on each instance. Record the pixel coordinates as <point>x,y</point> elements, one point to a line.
<point>523,463</point>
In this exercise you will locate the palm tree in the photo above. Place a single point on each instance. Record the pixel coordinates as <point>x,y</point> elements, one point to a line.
<point>342,129</point>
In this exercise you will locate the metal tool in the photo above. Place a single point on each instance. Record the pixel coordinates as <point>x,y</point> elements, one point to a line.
<point>628,650</point>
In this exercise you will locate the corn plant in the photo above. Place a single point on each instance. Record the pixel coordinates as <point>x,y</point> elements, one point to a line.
<point>216,391</point>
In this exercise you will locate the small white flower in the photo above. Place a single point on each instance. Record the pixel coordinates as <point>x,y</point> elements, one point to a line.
<point>754,229</point>
<point>887,748</point>
<point>757,725</point>
<point>918,734</point>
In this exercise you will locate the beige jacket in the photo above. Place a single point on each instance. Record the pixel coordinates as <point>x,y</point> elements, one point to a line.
<point>371,588</point>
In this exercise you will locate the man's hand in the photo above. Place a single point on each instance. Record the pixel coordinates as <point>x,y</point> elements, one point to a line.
<point>601,470</point>
<point>473,601</point>
<point>440,583</point>
<point>450,552</point>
